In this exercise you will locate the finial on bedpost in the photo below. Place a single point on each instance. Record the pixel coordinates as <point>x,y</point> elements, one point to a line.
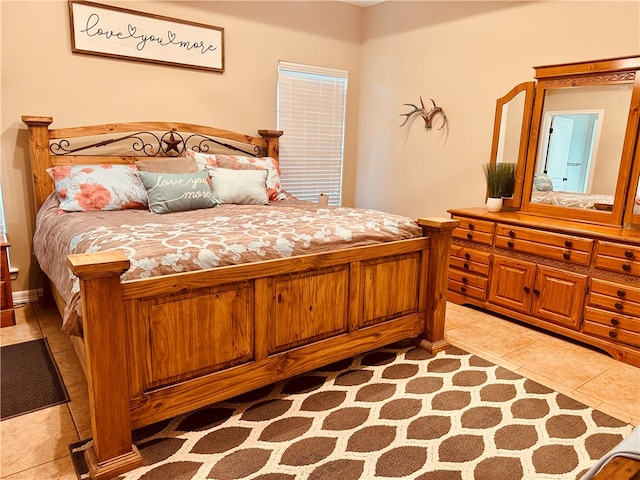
<point>273,142</point>
<point>40,160</point>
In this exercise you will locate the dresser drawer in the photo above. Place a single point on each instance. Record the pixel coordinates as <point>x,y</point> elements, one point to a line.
<point>467,290</point>
<point>470,254</point>
<point>468,266</point>
<point>466,278</point>
<point>535,248</point>
<point>612,320</point>
<point>614,297</point>
<point>478,231</point>
<point>621,291</point>
<point>617,257</point>
<point>617,334</point>
<point>568,242</point>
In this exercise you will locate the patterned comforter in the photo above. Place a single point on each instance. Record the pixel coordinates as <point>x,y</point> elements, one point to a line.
<point>200,239</point>
<point>569,199</point>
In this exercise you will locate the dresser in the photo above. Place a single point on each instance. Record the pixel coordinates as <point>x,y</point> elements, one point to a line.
<point>7,314</point>
<point>575,279</point>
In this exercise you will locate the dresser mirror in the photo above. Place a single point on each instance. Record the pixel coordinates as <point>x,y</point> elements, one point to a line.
<point>511,133</point>
<point>581,142</point>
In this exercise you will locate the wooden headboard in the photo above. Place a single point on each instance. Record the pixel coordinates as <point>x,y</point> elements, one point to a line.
<point>100,144</point>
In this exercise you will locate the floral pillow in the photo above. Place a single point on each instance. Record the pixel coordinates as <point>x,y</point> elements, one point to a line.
<point>203,160</point>
<point>83,188</point>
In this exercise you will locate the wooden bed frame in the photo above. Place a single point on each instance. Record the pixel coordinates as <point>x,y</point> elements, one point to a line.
<point>159,347</point>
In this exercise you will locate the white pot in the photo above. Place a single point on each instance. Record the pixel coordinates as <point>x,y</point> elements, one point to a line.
<point>494,204</point>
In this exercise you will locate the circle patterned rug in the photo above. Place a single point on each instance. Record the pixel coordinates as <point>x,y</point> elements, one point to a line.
<point>395,412</point>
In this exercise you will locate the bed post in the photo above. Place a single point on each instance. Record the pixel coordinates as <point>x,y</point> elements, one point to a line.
<point>273,142</point>
<point>105,340</point>
<point>439,230</point>
<point>40,160</point>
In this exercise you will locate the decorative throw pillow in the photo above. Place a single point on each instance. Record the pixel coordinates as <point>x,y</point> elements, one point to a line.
<point>542,182</point>
<point>168,165</point>
<point>242,187</point>
<point>203,160</point>
<point>82,188</point>
<point>177,192</point>
<point>238,162</point>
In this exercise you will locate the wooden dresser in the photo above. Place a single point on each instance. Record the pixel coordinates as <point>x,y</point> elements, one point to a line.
<point>576,279</point>
<point>7,315</point>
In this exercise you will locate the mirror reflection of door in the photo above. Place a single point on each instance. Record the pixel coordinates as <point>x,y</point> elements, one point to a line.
<point>570,149</point>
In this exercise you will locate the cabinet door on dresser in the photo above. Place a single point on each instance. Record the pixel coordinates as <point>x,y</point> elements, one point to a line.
<point>559,296</point>
<point>511,283</point>
<point>547,293</point>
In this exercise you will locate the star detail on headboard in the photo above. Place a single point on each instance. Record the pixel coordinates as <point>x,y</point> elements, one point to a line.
<point>172,143</point>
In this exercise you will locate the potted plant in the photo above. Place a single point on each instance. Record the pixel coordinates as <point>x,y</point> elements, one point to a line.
<point>501,179</point>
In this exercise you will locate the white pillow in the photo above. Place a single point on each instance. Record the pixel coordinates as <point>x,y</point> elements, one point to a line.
<point>242,187</point>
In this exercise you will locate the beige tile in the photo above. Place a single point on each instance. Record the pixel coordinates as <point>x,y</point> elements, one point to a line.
<point>69,367</point>
<point>619,386</point>
<point>25,329</point>
<point>493,335</point>
<point>79,405</point>
<point>60,469</point>
<point>37,438</point>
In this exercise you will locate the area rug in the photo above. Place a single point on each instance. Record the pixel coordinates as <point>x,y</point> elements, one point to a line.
<point>29,379</point>
<point>396,412</point>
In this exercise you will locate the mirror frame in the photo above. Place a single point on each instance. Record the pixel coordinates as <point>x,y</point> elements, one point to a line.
<point>631,219</point>
<point>600,72</point>
<point>529,90</point>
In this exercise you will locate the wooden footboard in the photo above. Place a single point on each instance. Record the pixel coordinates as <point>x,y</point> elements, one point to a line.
<point>158,347</point>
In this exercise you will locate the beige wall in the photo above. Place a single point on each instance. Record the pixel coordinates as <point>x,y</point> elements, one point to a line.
<point>40,76</point>
<point>462,54</point>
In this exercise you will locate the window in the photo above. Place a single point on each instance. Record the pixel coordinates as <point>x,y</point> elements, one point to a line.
<point>311,112</point>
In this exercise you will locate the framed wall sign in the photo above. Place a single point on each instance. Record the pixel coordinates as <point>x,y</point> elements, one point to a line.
<point>120,33</point>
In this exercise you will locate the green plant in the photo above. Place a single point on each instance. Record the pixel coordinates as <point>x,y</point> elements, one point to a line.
<point>501,179</point>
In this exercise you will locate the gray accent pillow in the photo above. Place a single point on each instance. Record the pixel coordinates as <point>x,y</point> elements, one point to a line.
<point>177,192</point>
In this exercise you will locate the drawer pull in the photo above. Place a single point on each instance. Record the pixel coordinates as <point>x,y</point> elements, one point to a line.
<point>470,236</point>
<point>512,233</point>
<point>467,256</point>
<point>621,293</point>
<point>526,289</point>
<point>568,243</point>
<point>536,292</point>
<point>628,253</point>
<point>465,265</point>
<point>463,289</point>
<point>471,226</point>
<point>566,255</point>
<point>465,280</point>
<point>615,322</point>
<point>613,334</point>
<point>510,244</point>
<point>626,267</point>
<point>619,305</point>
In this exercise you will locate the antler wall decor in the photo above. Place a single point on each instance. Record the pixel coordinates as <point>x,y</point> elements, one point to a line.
<point>427,115</point>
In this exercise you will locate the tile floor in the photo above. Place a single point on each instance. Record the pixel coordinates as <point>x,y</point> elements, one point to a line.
<point>34,446</point>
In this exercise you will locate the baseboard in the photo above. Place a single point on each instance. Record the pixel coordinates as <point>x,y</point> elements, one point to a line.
<point>26,296</point>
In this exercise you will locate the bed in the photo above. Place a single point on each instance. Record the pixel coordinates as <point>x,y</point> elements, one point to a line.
<point>161,343</point>
<point>573,200</point>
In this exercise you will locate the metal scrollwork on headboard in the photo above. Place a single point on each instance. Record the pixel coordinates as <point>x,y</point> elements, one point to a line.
<point>171,143</point>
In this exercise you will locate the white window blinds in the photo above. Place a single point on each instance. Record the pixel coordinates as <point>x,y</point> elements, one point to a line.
<point>311,112</point>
